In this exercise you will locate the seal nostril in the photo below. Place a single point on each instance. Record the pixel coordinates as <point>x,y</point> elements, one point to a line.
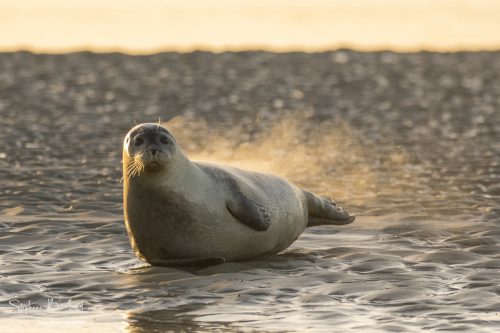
<point>153,152</point>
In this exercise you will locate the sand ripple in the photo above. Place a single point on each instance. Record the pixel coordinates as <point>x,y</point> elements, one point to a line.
<point>407,141</point>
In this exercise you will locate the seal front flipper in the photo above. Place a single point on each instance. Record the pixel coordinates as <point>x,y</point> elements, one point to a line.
<point>249,212</point>
<point>325,211</point>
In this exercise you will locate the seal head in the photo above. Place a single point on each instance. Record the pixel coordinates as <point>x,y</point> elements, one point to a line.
<point>148,148</point>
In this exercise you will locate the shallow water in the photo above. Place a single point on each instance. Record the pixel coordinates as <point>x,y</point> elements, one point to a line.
<point>408,142</point>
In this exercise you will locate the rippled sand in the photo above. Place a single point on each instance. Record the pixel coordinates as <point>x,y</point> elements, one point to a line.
<point>408,142</point>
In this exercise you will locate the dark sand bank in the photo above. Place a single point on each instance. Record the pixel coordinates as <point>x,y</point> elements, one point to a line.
<point>409,142</point>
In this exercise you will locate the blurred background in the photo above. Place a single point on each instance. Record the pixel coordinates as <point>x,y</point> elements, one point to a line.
<point>281,25</point>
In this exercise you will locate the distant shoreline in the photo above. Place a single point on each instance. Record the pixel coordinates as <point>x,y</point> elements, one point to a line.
<point>127,52</point>
<point>135,27</point>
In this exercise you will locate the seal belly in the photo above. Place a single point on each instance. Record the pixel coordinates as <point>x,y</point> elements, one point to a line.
<point>167,225</point>
<point>288,210</point>
<point>164,224</point>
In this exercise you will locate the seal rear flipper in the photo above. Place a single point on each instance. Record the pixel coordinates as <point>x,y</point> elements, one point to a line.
<point>188,262</point>
<point>249,212</point>
<point>315,221</point>
<point>324,211</point>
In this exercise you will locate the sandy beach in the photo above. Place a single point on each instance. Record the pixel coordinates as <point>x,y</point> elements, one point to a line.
<point>408,142</point>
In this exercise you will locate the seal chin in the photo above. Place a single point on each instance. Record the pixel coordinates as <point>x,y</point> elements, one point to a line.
<point>154,166</point>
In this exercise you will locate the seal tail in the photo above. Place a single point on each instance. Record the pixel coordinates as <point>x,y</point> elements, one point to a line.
<point>325,211</point>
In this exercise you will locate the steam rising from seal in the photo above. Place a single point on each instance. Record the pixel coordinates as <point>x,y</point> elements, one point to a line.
<point>327,157</point>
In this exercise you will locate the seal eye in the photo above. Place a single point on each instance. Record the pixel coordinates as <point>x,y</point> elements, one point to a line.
<point>164,139</point>
<point>138,141</point>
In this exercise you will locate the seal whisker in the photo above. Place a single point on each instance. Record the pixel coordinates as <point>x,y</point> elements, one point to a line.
<point>126,172</point>
<point>138,169</point>
<point>133,169</point>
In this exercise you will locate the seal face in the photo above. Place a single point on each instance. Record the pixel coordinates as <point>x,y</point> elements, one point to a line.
<point>179,212</point>
<point>148,149</point>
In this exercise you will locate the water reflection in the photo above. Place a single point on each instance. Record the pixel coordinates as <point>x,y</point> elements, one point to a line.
<point>175,320</point>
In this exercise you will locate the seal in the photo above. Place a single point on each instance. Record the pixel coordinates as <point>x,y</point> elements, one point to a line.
<point>184,213</point>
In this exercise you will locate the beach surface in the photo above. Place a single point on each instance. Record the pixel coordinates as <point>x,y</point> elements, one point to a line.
<point>410,143</point>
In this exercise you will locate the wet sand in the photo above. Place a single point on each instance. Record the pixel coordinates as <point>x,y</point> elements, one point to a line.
<point>408,142</point>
